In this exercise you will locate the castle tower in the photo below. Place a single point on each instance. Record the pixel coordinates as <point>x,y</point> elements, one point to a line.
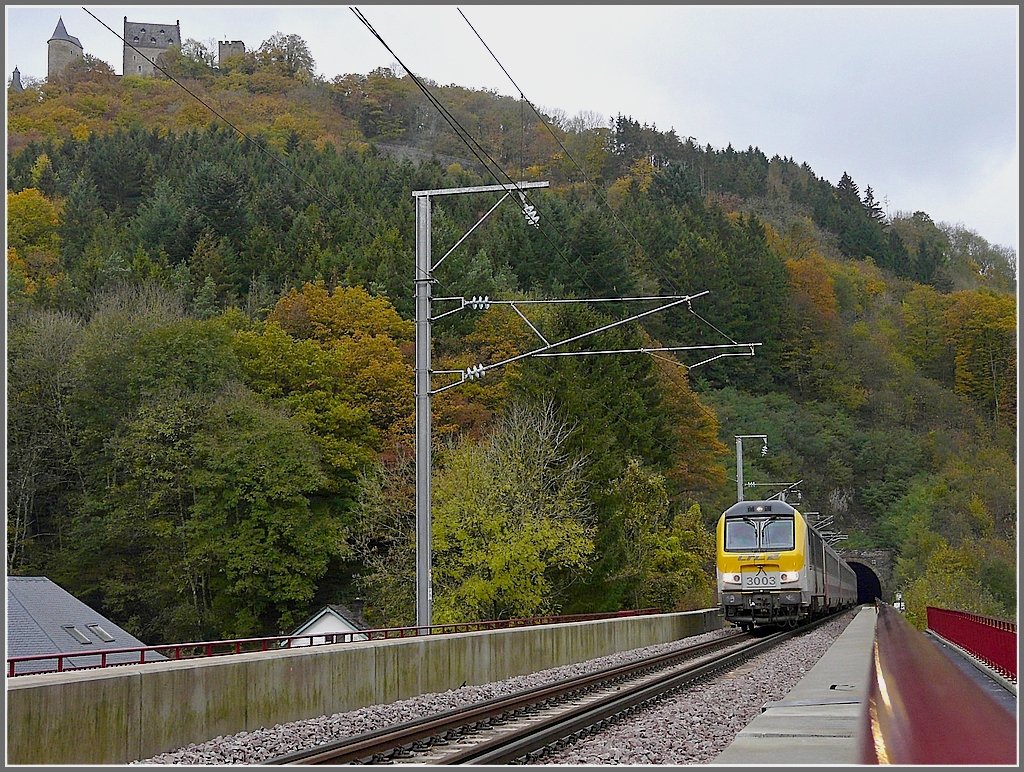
<point>16,81</point>
<point>227,48</point>
<point>62,49</point>
<point>149,41</point>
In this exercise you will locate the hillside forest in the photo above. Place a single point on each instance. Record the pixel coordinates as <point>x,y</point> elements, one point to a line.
<point>210,356</point>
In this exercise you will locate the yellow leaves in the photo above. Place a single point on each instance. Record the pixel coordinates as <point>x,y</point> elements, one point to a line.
<point>41,167</point>
<point>642,172</point>
<point>498,334</point>
<point>19,283</point>
<point>31,220</point>
<point>697,461</point>
<point>797,243</point>
<point>347,311</point>
<point>813,290</point>
<point>357,338</point>
<point>156,103</point>
<point>639,178</point>
<point>618,190</point>
<point>508,513</point>
<point>93,105</point>
<point>981,327</point>
<point>306,127</point>
<point>191,116</point>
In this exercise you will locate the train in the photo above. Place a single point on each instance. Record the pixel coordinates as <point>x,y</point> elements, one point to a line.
<point>775,569</point>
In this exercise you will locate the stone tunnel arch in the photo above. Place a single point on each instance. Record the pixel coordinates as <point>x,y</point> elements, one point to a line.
<point>872,565</point>
<point>869,586</point>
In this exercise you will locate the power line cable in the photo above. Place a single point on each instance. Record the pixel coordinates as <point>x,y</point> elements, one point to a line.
<point>303,180</point>
<point>665,278</point>
<point>445,113</point>
<point>333,202</point>
<point>554,136</point>
<point>474,146</point>
<point>602,197</point>
<point>468,139</point>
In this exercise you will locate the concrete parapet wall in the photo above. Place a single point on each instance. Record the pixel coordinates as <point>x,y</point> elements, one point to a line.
<point>133,712</point>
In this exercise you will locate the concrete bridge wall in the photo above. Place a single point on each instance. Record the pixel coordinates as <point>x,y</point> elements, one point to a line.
<point>133,712</point>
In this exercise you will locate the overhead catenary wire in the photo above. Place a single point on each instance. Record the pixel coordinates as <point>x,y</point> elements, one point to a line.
<point>608,206</point>
<point>333,202</point>
<point>474,146</point>
<point>456,126</point>
<point>667,279</point>
<point>477,149</point>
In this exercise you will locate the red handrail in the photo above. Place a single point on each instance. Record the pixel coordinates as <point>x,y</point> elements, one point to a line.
<point>237,646</point>
<point>993,641</point>
<point>920,709</point>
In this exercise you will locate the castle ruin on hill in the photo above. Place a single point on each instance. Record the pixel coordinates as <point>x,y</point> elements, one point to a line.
<point>61,50</point>
<point>143,43</point>
<point>147,42</point>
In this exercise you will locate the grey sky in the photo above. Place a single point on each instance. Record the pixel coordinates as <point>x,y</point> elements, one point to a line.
<point>919,102</point>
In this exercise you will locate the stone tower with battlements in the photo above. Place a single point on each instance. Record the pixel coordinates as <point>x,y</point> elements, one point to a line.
<point>228,48</point>
<point>62,49</point>
<point>144,42</point>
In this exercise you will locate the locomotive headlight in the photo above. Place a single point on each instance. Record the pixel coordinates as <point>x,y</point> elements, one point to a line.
<point>789,576</point>
<point>731,578</point>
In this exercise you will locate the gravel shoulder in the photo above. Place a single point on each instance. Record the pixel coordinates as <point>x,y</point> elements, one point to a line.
<point>702,723</point>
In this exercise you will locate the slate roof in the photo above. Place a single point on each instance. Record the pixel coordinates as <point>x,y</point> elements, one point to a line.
<point>37,612</point>
<point>146,35</point>
<point>62,34</point>
<point>343,612</point>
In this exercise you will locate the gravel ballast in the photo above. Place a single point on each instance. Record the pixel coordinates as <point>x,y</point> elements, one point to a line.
<point>703,721</point>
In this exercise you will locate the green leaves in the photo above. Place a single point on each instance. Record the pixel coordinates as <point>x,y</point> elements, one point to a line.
<point>510,514</point>
<point>507,515</point>
<point>251,522</point>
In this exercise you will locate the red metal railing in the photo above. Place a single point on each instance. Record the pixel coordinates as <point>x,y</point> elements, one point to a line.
<point>993,641</point>
<point>101,658</point>
<point>920,709</point>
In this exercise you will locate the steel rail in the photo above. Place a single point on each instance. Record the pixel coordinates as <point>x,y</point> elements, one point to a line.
<point>533,738</point>
<point>382,741</point>
<point>417,736</point>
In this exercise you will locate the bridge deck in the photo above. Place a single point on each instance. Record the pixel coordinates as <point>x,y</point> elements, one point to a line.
<point>817,722</point>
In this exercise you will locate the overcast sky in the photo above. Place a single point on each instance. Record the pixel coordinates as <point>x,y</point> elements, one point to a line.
<point>919,102</point>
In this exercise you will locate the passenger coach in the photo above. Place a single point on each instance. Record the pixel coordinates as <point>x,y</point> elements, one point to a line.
<point>774,568</point>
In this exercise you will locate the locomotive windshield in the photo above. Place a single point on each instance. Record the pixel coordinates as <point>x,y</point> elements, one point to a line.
<point>761,533</point>
<point>777,534</point>
<point>740,535</point>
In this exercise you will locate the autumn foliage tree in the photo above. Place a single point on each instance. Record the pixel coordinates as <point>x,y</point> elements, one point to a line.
<point>186,313</point>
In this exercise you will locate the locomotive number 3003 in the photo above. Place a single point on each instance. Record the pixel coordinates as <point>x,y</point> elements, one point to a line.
<point>761,579</point>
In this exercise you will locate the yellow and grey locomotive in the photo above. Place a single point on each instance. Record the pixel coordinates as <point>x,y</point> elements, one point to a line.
<point>775,568</point>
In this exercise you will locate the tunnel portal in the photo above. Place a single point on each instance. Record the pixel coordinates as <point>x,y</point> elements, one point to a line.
<point>869,586</point>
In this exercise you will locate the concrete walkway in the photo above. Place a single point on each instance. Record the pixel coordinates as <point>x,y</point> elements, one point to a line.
<point>818,721</point>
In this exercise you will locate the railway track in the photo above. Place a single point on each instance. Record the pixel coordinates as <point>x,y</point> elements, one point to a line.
<point>521,726</point>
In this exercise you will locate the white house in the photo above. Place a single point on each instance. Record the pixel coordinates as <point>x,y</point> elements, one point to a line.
<point>331,624</point>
